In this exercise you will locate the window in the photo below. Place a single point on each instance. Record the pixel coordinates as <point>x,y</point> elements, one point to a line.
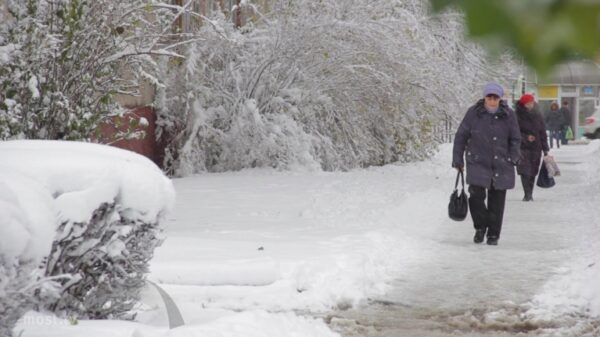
<point>589,91</point>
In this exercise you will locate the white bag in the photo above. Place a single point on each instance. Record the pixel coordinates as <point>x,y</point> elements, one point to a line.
<point>551,166</point>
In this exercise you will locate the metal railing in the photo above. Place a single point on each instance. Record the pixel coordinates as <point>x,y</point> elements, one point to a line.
<point>444,131</point>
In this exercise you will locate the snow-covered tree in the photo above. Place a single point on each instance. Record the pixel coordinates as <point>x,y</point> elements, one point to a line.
<point>63,62</point>
<point>330,84</point>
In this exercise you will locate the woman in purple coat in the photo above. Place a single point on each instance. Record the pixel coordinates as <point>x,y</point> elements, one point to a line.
<point>534,142</point>
<point>488,141</point>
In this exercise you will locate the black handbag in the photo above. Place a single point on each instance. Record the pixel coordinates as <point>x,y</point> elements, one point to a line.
<point>459,203</point>
<point>544,180</point>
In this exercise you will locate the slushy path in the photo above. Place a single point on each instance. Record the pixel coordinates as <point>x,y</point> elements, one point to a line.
<point>479,290</point>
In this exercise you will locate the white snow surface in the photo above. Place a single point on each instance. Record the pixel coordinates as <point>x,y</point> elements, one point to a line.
<point>80,176</point>
<point>248,324</point>
<point>28,217</point>
<point>248,253</point>
<point>576,286</point>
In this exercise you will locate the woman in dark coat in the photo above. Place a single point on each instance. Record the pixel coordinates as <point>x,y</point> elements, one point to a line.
<point>534,142</point>
<point>488,141</point>
<point>555,122</point>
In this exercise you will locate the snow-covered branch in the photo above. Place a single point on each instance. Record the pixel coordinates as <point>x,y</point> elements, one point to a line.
<point>325,84</point>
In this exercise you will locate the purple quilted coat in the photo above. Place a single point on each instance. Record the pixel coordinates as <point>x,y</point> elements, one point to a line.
<point>490,142</point>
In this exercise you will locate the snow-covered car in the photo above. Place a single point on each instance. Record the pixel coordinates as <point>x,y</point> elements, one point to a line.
<point>592,125</point>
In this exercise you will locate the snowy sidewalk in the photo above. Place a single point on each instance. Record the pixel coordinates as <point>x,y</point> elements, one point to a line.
<point>309,242</point>
<point>248,253</point>
<point>541,279</point>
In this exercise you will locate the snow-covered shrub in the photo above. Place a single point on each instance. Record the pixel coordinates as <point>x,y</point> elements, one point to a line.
<point>330,84</point>
<point>107,259</point>
<point>62,63</point>
<point>27,224</point>
<point>214,106</point>
<point>111,204</point>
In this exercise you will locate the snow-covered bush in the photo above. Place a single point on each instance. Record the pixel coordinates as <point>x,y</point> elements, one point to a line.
<point>110,205</point>
<point>62,63</point>
<point>107,258</point>
<point>27,224</point>
<point>335,84</point>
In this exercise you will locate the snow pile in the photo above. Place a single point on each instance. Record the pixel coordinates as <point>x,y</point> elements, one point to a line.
<point>109,206</point>
<point>575,288</point>
<point>81,176</point>
<point>27,215</point>
<point>27,224</point>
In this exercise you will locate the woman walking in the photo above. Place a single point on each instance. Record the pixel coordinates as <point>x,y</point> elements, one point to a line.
<point>534,142</point>
<point>555,122</point>
<point>487,140</point>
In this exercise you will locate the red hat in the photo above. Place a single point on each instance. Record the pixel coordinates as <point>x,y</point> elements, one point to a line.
<point>527,98</point>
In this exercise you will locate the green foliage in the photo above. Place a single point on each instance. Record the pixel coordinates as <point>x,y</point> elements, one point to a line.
<point>544,32</point>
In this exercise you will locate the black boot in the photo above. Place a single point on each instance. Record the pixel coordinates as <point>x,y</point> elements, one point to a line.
<point>531,186</point>
<point>479,235</point>
<point>527,187</point>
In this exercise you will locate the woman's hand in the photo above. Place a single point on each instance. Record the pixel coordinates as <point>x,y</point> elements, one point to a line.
<point>531,138</point>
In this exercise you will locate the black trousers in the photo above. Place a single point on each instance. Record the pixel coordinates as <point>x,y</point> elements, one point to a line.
<point>528,183</point>
<point>488,217</point>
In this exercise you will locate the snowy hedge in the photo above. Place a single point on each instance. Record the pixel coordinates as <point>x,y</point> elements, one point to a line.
<point>110,204</point>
